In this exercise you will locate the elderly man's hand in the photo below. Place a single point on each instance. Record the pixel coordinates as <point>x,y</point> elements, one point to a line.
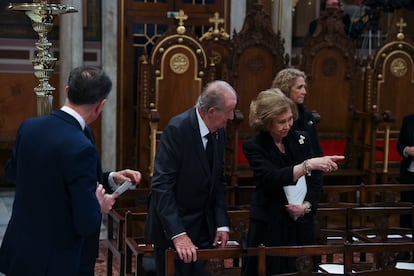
<point>185,248</point>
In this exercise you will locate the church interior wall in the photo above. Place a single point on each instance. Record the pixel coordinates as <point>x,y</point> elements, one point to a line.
<point>17,40</point>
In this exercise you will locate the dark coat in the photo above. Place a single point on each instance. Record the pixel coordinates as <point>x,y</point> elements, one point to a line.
<point>186,194</point>
<point>270,223</point>
<point>307,122</point>
<point>272,172</point>
<point>405,139</point>
<point>55,211</point>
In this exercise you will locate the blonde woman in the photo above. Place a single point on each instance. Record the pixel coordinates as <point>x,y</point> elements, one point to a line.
<point>287,179</point>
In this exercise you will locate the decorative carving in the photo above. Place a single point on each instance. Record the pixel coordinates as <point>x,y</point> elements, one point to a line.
<point>257,56</point>
<point>401,25</point>
<point>179,63</point>
<point>256,64</point>
<point>218,47</point>
<point>398,67</point>
<point>181,17</point>
<point>215,57</point>
<point>215,33</point>
<point>304,263</point>
<point>329,67</point>
<point>176,52</point>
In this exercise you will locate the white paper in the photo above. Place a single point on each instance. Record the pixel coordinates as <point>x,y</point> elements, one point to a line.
<point>295,194</point>
<point>332,268</point>
<point>411,167</point>
<point>404,265</point>
<point>122,188</point>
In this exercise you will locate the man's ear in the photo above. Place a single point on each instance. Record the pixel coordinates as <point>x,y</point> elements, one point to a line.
<point>99,106</point>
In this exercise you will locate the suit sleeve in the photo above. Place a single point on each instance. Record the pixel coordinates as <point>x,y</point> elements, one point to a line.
<point>10,166</point>
<point>166,167</point>
<point>81,180</point>
<point>403,139</point>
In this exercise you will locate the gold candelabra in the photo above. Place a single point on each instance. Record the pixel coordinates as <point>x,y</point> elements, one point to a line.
<point>41,14</point>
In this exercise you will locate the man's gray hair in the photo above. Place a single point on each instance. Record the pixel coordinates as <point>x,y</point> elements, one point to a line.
<point>213,95</point>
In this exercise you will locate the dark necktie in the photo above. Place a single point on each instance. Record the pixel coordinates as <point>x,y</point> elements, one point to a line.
<point>209,149</point>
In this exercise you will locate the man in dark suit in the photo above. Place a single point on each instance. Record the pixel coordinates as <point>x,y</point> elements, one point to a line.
<point>405,147</point>
<point>187,208</point>
<point>56,217</point>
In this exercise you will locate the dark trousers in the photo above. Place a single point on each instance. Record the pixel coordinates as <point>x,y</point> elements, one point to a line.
<point>90,248</point>
<point>407,196</point>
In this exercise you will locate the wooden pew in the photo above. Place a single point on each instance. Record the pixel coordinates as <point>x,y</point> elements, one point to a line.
<point>243,195</point>
<point>303,255</point>
<point>382,261</point>
<point>384,194</point>
<point>340,196</point>
<point>331,227</point>
<point>134,200</point>
<point>376,224</point>
<point>137,246</point>
<point>214,257</point>
<point>239,196</point>
<point>239,226</point>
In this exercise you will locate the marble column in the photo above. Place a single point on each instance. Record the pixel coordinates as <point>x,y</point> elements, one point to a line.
<point>237,15</point>
<point>282,21</point>
<point>109,65</point>
<point>70,44</point>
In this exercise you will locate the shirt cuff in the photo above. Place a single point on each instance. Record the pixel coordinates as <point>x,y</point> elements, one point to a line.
<point>224,229</point>
<point>404,153</point>
<point>183,233</point>
<point>111,182</point>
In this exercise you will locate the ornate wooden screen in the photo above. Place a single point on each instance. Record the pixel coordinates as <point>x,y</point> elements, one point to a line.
<point>328,59</point>
<point>218,47</point>
<point>141,23</point>
<point>258,55</point>
<point>171,79</point>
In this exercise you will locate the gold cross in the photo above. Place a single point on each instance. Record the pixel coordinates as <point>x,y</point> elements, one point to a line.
<point>181,17</point>
<point>216,20</point>
<point>401,24</point>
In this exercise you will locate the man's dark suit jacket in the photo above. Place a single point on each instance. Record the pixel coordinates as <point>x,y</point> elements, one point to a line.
<point>55,212</point>
<point>405,139</point>
<point>272,172</point>
<point>185,192</point>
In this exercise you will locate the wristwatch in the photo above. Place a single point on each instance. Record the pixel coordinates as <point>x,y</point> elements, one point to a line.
<point>308,206</point>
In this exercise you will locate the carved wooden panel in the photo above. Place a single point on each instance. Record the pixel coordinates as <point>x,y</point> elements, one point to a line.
<point>258,55</point>
<point>218,47</point>
<point>328,61</point>
<point>170,81</point>
<point>329,91</point>
<point>394,80</point>
<point>389,94</point>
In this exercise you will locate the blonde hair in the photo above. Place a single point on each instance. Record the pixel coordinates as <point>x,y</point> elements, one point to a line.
<point>268,105</point>
<point>286,78</point>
